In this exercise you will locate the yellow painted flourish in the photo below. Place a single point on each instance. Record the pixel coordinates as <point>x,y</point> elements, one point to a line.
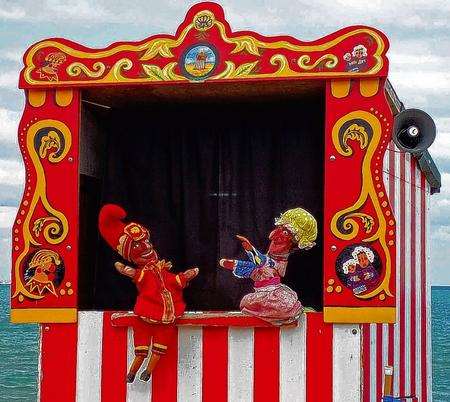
<point>75,69</point>
<point>166,73</point>
<point>365,128</point>
<point>53,145</point>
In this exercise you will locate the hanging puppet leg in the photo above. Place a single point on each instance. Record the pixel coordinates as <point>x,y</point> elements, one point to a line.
<point>135,366</point>
<point>142,336</point>
<point>152,362</point>
<point>163,337</point>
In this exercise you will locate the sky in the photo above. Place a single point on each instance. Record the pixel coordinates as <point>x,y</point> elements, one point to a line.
<point>418,30</point>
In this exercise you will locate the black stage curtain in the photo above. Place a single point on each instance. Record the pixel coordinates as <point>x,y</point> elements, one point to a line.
<point>198,174</point>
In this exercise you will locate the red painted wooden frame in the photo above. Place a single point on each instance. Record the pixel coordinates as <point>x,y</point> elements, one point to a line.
<point>204,50</point>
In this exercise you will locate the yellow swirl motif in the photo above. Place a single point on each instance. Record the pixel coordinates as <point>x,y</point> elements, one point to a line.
<point>343,225</point>
<point>367,220</point>
<point>330,60</point>
<point>283,66</point>
<point>75,69</point>
<point>54,146</point>
<point>115,74</point>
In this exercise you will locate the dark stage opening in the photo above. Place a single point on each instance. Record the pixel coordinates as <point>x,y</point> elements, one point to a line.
<point>196,174</point>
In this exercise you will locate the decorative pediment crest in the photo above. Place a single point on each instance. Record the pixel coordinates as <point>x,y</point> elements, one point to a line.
<point>205,48</point>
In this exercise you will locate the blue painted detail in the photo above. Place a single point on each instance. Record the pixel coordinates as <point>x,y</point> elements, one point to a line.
<point>244,269</point>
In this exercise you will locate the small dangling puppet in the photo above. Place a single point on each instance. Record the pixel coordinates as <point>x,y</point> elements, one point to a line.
<point>273,301</point>
<point>160,293</point>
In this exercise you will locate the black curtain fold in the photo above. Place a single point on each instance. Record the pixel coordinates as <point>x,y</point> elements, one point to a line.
<point>196,175</point>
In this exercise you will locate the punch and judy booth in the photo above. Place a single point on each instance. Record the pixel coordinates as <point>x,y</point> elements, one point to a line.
<point>202,135</point>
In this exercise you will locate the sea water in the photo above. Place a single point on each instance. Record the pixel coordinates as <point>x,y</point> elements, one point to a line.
<point>440,309</point>
<point>18,356</point>
<point>19,351</point>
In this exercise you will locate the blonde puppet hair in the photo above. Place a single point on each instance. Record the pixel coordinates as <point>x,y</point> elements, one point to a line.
<point>301,224</point>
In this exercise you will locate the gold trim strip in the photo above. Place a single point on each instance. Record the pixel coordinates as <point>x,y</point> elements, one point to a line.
<point>178,280</point>
<point>369,86</point>
<point>64,97</point>
<point>141,275</point>
<point>340,88</point>
<point>36,98</point>
<point>353,315</point>
<point>44,315</point>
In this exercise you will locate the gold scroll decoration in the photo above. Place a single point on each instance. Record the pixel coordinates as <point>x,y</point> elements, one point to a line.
<point>50,140</point>
<point>362,129</point>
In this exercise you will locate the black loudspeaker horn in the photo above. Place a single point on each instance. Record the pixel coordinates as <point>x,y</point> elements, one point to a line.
<point>414,131</point>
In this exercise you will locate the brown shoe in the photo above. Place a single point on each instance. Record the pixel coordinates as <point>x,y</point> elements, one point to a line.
<point>145,376</point>
<point>130,378</point>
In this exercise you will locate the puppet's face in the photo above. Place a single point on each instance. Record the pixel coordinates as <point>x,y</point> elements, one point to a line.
<point>281,241</point>
<point>142,252</point>
<point>351,268</point>
<point>363,260</point>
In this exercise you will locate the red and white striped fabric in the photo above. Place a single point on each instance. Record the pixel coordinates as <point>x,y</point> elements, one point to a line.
<point>88,361</point>
<point>406,344</point>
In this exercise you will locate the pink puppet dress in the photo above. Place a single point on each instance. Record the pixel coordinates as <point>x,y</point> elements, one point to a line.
<point>271,300</point>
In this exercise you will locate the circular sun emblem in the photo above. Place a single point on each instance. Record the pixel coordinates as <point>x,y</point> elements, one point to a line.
<point>203,20</point>
<point>199,61</point>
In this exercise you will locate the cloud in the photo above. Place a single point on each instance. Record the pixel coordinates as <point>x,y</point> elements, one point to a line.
<point>9,121</point>
<point>320,15</point>
<point>86,11</point>
<point>440,204</point>
<point>51,9</point>
<point>9,80</point>
<point>7,216</point>
<point>12,55</point>
<point>79,10</point>
<point>257,14</point>
<point>11,13</point>
<point>428,81</point>
<point>11,172</point>
<point>5,254</point>
<point>441,146</point>
<point>10,195</point>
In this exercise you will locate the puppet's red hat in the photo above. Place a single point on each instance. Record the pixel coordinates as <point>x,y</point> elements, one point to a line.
<point>118,234</point>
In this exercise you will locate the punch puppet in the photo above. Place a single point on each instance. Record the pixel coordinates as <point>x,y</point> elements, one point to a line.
<point>160,292</point>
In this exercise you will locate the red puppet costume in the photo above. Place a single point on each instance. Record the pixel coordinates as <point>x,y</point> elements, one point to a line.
<point>160,292</point>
